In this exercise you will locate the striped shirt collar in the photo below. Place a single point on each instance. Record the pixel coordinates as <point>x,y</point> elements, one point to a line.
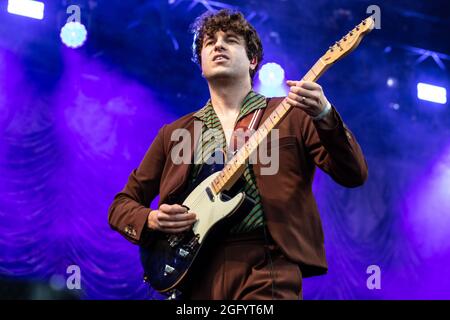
<point>252,101</point>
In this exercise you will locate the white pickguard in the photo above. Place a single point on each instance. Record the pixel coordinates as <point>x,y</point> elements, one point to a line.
<point>209,212</point>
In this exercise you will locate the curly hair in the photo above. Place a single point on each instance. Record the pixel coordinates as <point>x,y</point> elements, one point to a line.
<point>225,20</point>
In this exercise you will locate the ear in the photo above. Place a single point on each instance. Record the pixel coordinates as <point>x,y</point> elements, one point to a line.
<point>253,63</point>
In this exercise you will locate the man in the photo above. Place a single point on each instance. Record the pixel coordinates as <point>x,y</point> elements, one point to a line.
<point>280,241</point>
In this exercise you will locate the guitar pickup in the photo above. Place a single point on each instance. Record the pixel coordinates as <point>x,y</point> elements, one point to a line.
<point>210,194</point>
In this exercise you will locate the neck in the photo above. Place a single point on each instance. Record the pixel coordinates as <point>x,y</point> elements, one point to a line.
<point>227,96</point>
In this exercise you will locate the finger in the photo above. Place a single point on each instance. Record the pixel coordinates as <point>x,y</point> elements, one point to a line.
<point>178,230</point>
<point>310,85</point>
<point>175,216</point>
<point>298,93</point>
<point>308,102</point>
<point>291,83</point>
<point>175,208</point>
<point>297,104</point>
<point>175,224</point>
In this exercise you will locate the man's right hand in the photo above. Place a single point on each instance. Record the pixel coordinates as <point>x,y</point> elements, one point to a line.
<point>170,219</point>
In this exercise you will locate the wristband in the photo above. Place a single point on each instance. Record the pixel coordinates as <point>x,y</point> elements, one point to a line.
<point>324,113</point>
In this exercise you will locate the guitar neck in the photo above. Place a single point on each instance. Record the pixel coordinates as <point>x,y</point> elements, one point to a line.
<point>235,167</point>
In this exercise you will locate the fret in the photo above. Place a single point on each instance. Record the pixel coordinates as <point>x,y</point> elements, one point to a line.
<point>252,143</point>
<point>274,116</point>
<point>245,150</point>
<point>270,120</point>
<point>323,63</point>
<point>316,69</point>
<point>283,106</point>
<point>257,135</point>
<point>218,183</point>
<point>279,112</point>
<point>226,174</point>
<point>308,76</point>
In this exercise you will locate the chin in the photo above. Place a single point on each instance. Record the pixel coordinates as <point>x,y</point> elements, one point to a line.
<point>220,75</point>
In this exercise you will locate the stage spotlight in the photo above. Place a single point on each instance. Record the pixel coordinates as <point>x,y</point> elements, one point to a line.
<point>391,82</point>
<point>27,8</point>
<point>73,34</point>
<point>394,105</point>
<point>271,74</point>
<point>271,80</point>
<point>431,93</point>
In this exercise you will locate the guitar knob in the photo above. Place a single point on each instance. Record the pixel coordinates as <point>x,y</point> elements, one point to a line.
<point>168,270</point>
<point>183,253</point>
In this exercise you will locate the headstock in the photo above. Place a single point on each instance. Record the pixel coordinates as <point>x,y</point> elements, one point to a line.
<point>349,42</point>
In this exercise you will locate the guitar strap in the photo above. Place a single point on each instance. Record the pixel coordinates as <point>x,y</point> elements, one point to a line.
<point>245,127</point>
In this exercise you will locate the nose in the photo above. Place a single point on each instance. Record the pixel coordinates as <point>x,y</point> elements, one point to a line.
<point>218,46</point>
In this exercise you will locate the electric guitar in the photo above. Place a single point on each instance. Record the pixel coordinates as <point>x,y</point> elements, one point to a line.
<point>170,260</point>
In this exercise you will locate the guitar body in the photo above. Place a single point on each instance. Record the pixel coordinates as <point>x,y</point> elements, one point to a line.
<point>170,260</point>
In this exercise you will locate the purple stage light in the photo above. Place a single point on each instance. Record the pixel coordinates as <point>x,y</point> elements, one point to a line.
<point>27,8</point>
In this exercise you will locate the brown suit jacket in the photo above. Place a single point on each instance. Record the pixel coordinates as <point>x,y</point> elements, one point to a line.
<point>287,199</point>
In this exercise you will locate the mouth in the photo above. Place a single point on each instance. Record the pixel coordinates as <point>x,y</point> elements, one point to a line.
<point>220,57</point>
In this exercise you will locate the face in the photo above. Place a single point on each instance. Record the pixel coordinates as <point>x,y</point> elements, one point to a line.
<point>224,56</point>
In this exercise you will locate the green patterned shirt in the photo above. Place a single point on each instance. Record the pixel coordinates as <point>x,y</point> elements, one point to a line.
<point>211,125</point>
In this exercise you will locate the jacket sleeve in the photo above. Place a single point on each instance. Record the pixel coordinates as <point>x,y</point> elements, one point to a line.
<point>336,151</point>
<point>129,211</point>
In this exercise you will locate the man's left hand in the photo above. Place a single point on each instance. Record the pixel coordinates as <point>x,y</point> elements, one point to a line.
<point>308,96</point>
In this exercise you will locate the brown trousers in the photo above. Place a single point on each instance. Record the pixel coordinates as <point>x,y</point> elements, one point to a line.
<point>248,267</point>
